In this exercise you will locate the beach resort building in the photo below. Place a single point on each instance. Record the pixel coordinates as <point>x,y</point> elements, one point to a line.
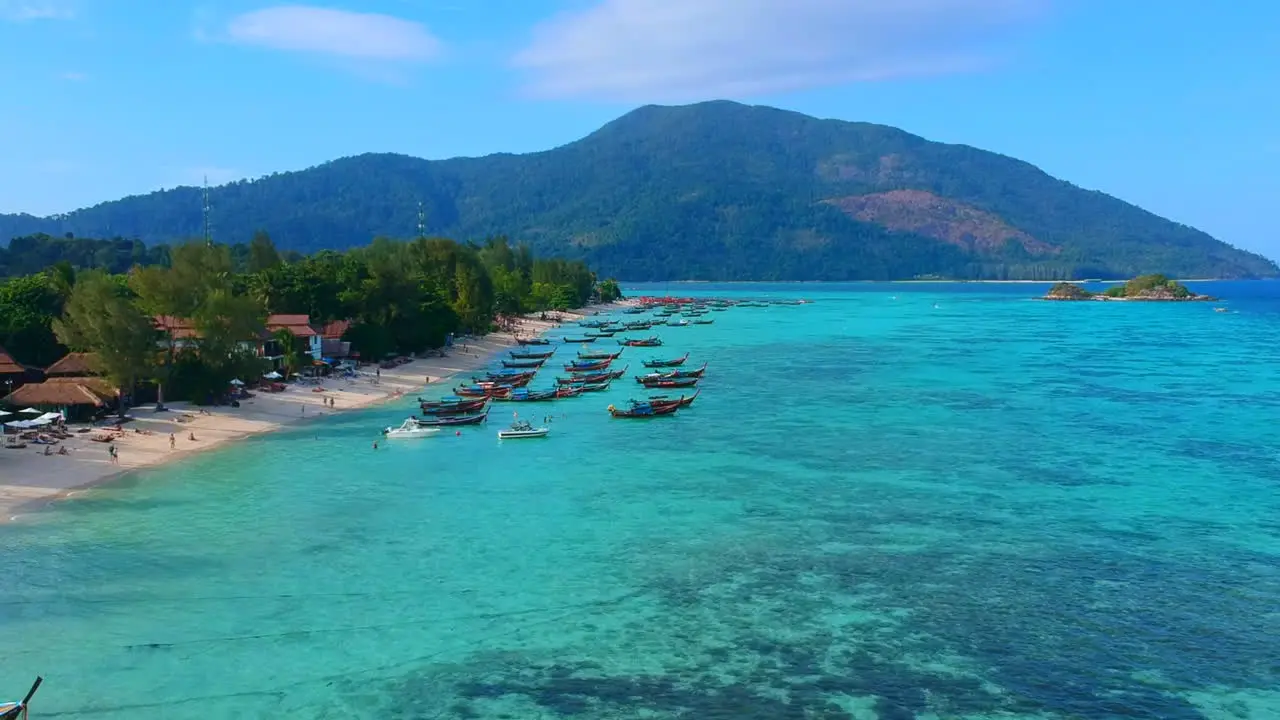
<point>71,387</point>
<point>12,374</point>
<point>309,339</point>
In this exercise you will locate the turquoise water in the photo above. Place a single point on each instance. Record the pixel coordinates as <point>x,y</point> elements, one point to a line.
<point>878,508</point>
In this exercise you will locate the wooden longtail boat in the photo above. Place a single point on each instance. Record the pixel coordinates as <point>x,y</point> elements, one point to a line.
<point>673,375</point>
<point>581,379</point>
<point>506,378</point>
<point>675,362</point>
<point>450,420</point>
<point>677,323</point>
<point>18,710</point>
<point>533,341</point>
<point>644,410</point>
<point>526,355</point>
<point>598,355</point>
<point>637,342</point>
<point>593,323</point>
<point>523,363</point>
<point>633,311</point>
<point>526,395</point>
<point>671,383</point>
<point>451,406</point>
<point>682,401</point>
<point>704,321</point>
<point>587,365</point>
<point>595,387</point>
<point>601,334</point>
<point>568,392</point>
<point>580,340</point>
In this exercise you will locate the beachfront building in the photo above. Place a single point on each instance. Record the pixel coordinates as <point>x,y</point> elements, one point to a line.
<point>76,364</point>
<point>332,346</point>
<point>13,374</point>
<point>309,340</point>
<point>76,398</point>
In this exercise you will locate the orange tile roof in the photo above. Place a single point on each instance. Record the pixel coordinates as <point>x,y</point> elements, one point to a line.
<point>72,364</point>
<point>9,366</point>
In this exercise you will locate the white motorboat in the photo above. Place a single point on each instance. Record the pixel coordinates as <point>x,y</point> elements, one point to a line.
<point>522,429</point>
<point>410,429</point>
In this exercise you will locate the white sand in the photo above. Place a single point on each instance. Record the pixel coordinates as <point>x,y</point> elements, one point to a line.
<point>29,479</point>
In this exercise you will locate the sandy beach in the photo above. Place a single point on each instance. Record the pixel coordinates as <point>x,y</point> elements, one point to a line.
<point>29,479</point>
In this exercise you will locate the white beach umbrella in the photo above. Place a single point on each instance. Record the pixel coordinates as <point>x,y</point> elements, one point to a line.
<point>273,375</point>
<point>237,382</point>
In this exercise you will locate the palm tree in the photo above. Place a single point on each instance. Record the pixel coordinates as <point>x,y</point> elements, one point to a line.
<point>289,350</point>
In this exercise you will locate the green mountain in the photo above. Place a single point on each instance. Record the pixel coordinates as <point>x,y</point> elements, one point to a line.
<point>715,191</point>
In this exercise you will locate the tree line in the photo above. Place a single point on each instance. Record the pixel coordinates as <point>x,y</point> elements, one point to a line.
<point>400,298</point>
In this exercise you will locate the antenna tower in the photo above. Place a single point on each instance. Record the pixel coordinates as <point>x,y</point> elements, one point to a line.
<point>208,212</point>
<point>422,220</point>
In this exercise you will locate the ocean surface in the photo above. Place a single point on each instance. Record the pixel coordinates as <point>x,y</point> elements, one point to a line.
<point>899,501</point>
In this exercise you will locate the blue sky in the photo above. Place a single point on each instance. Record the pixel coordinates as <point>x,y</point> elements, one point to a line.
<point>1172,105</point>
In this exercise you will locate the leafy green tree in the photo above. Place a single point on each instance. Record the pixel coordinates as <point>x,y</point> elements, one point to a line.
<point>288,343</point>
<point>28,306</point>
<point>102,318</point>
<point>262,253</point>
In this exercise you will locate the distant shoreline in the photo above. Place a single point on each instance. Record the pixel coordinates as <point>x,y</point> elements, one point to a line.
<point>33,481</point>
<point>1101,281</point>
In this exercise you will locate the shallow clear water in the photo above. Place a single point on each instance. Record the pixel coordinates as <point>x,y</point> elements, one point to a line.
<point>878,508</point>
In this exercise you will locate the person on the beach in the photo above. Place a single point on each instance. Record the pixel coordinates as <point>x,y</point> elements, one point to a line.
<point>191,436</point>
<point>115,456</point>
<point>375,444</point>
<point>173,442</point>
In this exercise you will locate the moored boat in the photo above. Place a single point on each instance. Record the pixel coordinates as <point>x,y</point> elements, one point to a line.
<point>582,379</point>
<point>674,362</point>
<point>677,323</point>
<point>579,339</point>
<point>522,429</point>
<point>644,410</point>
<point>527,395</point>
<point>538,355</point>
<point>594,386</point>
<point>704,321</point>
<point>452,406</point>
<point>18,710</point>
<point>673,375</point>
<point>523,363</point>
<point>599,355</point>
<point>408,430</point>
<point>682,401</point>
<point>670,383</point>
<point>480,390</point>
<point>641,342</point>
<point>602,333</point>
<point>533,341</point>
<point>587,365</point>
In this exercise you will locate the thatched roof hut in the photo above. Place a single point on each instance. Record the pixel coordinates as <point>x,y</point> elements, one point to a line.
<point>64,392</point>
<point>76,364</point>
<point>9,366</point>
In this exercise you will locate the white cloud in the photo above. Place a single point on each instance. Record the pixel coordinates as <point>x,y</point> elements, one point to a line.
<point>656,50</point>
<point>24,10</point>
<point>334,32</point>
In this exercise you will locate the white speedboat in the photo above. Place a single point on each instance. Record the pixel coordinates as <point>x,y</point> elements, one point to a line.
<point>410,429</point>
<point>522,429</point>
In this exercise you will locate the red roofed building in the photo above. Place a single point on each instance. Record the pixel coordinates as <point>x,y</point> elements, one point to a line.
<point>300,326</point>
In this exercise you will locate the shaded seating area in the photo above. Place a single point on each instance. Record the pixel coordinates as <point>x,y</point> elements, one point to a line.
<point>77,398</point>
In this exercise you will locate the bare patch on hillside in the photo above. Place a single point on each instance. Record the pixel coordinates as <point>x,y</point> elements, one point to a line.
<point>924,213</point>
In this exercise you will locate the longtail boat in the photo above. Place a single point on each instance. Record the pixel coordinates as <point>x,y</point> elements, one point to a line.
<point>527,395</point>
<point>581,379</point>
<point>601,334</point>
<point>670,383</point>
<point>677,323</point>
<point>639,342</point>
<point>451,420</point>
<point>523,363</point>
<point>615,374</point>
<point>568,392</point>
<point>541,355</point>
<point>18,710</point>
<point>644,410</point>
<point>594,387</point>
<point>579,339</point>
<point>682,401</point>
<point>704,321</point>
<point>599,355</point>
<point>450,405</point>
<point>593,323</point>
<point>688,373</point>
<point>587,365</point>
<point>505,377</point>
<point>644,325</point>
<point>674,362</point>
<point>533,341</point>
<point>633,310</point>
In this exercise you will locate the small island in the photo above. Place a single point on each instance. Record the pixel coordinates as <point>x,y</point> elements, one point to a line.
<point>1157,288</point>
